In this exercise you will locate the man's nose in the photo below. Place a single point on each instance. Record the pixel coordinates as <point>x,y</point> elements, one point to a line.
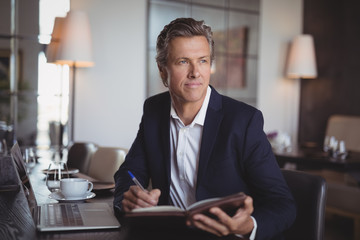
<point>194,71</point>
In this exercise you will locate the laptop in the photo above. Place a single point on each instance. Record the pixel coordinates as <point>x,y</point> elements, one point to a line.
<point>74,216</point>
<point>65,216</point>
<point>20,165</point>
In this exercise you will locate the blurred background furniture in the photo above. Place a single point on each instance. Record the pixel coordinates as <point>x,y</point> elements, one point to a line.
<point>316,158</point>
<point>79,155</point>
<point>346,128</point>
<point>56,132</point>
<point>342,175</point>
<point>309,192</point>
<point>343,196</point>
<point>105,162</point>
<point>344,187</point>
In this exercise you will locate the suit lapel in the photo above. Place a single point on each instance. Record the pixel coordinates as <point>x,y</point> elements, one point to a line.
<point>212,122</point>
<point>165,136</point>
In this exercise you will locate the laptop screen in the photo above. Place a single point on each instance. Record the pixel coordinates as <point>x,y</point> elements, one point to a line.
<point>17,157</point>
<point>20,165</point>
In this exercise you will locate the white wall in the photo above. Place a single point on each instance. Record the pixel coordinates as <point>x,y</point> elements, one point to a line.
<point>278,97</point>
<point>109,96</point>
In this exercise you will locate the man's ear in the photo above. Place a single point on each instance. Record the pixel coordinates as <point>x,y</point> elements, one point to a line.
<point>163,74</point>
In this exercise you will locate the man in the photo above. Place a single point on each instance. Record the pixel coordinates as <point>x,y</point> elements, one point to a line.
<point>194,144</point>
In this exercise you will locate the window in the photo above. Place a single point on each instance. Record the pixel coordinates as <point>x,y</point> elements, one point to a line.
<point>53,84</point>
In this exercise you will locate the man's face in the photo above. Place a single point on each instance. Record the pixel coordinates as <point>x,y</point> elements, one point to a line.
<point>188,69</point>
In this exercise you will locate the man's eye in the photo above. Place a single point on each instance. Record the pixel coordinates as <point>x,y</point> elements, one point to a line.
<point>203,61</point>
<point>183,62</point>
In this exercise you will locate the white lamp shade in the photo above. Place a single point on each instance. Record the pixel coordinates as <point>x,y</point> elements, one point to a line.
<point>302,61</point>
<point>53,47</point>
<point>75,45</point>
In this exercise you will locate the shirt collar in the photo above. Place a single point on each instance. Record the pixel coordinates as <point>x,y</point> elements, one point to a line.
<point>200,116</point>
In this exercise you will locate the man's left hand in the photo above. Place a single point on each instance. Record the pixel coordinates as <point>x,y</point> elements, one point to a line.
<point>241,223</point>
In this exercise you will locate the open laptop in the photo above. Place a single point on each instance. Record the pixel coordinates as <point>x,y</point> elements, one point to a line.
<point>65,216</point>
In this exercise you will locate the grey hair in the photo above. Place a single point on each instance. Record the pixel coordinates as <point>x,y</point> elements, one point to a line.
<point>181,27</point>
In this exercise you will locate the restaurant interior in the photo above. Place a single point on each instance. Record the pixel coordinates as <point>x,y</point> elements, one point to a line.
<point>58,94</point>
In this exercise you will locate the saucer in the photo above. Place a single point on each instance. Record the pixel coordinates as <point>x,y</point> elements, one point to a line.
<point>69,171</point>
<point>60,197</point>
<point>102,187</point>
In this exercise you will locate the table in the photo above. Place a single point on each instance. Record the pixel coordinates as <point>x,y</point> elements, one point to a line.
<point>16,221</point>
<point>314,158</point>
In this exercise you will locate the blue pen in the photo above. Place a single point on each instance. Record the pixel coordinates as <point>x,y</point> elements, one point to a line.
<point>136,181</point>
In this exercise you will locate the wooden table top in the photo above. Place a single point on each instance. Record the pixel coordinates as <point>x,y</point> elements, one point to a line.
<point>316,158</point>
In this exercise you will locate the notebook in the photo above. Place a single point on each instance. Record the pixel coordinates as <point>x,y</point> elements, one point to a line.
<point>65,216</point>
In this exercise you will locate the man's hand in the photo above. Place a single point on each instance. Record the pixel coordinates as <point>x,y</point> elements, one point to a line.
<point>137,198</point>
<point>241,223</point>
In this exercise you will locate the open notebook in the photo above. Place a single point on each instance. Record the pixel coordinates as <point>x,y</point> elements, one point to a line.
<point>175,218</point>
<point>64,216</point>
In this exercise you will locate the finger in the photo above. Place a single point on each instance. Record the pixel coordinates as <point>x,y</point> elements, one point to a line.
<point>137,198</point>
<point>240,223</point>
<point>137,203</point>
<point>127,206</point>
<point>247,209</point>
<point>221,215</point>
<point>248,204</point>
<point>151,198</point>
<point>232,224</point>
<point>155,194</point>
<point>145,199</point>
<point>210,225</point>
<point>199,222</point>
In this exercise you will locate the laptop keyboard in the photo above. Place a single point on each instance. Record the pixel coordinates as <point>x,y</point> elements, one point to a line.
<point>63,215</point>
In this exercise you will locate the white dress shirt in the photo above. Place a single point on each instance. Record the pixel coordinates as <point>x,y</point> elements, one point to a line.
<point>185,148</point>
<point>185,142</point>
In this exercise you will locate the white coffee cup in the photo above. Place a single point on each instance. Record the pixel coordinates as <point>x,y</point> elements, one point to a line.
<point>75,188</point>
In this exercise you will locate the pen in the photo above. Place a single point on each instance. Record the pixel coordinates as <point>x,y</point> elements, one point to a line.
<point>136,181</point>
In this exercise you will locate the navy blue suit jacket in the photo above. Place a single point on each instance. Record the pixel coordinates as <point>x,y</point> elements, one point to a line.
<point>235,156</point>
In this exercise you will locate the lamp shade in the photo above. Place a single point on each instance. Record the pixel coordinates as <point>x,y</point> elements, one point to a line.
<point>75,44</point>
<point>301,61</point>
<point>53,47</point>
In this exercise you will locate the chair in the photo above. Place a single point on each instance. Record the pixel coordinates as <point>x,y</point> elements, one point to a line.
<point>79,156</point>
<point>346,128</point>
<point>343,187</point>
<point>343,196</point>
<point>105,162</point>
<point>309,192</point>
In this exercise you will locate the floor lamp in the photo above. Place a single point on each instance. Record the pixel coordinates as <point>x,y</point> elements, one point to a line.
<point>301,62</point>
<point>74,50</point>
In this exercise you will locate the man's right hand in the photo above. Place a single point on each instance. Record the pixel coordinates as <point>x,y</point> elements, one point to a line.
<point>137,198</point>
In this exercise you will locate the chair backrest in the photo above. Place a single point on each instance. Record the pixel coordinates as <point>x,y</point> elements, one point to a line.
<point>346,128</point>
<point>79,155</point>
<point>105,162</point>
<point>309,192</point>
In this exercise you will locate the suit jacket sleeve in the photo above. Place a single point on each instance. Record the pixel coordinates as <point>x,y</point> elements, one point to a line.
<point>149,155</point>
<point>237,156</point>
<point>274,207</point>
